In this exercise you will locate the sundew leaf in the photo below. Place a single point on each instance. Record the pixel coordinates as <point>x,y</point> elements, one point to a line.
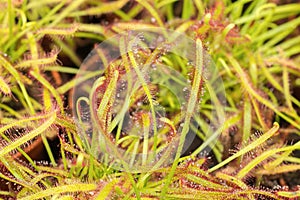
<point>282,11</point>
<point>106,190</point>
<point>108,95</point>
<point>4,87</point>
<point>148,94</point>
<point>123,26</point>
<point>51,59</point>
<point>32,134</point>
<point>21,122</point>
<point>293,194</point>
<point>249,147</point>
<point>245,170</point>
<point>47,100</point>
<point>232,180</point>
<point>14,180</point>
<point>280,169</point>
<point>15,74</point>
<point>76,187</point>
<point>197,85</point>
<point>281,158</point>
<point>284,46</point>
<point>59,31</point>
<point>196,194</point>
<point>271,33</point>
<point>253,93</point>
<point>204,183</point>
<point>229,193</point>
<point>146,125</point>
<point>247,119</point>
<point>62,69</point>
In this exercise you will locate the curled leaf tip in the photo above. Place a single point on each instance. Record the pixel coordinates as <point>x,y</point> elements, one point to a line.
<point>276,125</point>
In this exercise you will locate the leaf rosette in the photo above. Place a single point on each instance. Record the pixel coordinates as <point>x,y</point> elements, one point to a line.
<point>143,98</point>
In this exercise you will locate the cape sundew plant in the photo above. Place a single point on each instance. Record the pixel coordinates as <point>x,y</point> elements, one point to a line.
<point>121,103</point>
<point>163,99</point>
